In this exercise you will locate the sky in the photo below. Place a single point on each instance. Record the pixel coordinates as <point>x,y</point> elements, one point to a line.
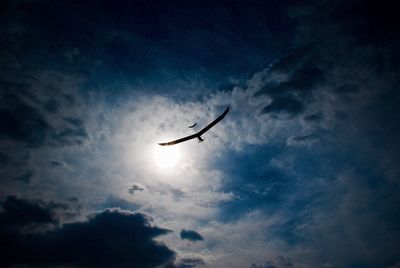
<point>302,172</point>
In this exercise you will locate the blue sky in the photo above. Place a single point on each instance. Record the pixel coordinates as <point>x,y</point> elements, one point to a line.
<point>302,172</point>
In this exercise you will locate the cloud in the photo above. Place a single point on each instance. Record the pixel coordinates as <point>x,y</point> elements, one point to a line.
<point>290,95</point>
<point>56,163</point>
<point>136,187</point>
<point>26,118</point>
<point>108,238</point>
<point>189,262</point>
<point>28,129</point>
<point>302,140</point>
<point>317,117</point>
<point>153,51</point>
<point>117,202</point>
<point>284,262</point>
<point>395,265</point>
<point>190,235</point>
<point>280,262</point>
<point>73,133</point>
<point>52,105</point>
<point>25,177</point>
<point>21,122</point>
<point>19,212</point>
<point>286,107</point>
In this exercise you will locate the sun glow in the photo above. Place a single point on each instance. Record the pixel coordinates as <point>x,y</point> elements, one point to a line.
<point>166,157</point>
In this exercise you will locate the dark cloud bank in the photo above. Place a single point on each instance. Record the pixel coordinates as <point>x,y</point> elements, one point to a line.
<point>24,117</point>
<point>280,262</point>
<point>30,235</point>
<point>191,235</point>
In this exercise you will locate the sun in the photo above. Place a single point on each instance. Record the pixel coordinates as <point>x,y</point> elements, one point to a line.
<point>166,157</point>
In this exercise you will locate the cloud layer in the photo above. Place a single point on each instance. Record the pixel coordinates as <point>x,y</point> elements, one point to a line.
<point>302,172</point>
<point>108,238</point>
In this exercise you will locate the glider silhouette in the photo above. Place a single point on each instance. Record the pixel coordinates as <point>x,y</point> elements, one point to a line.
<point>198,134</point>
<point>192,126</point>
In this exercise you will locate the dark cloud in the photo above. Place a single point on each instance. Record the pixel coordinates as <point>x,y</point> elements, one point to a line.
<point>190,235</point>
<point>21,122</point>
<point>4,159</point>
<point>370,22</point>
<point>52,105</point>
<point>280,262</point>
<point>56,163</point>
<point>23,119</point>
<point>189,262</point>
<point>266,265</point>
<point>135,188</point>
<point>292,94</point>
<point>346,89</point>
<point>288,63</point>
<point>19,212</point>
<point>34,96</point>
<point>109,238</point>
<point>25,177</point>
<point>290,98</point>
<point>73,133</point>
<point>285,107</point>
<point>76,122</point>
<point>182,38</point>
<point>70,136</point>
<point>69,98</point>
<point>335,52</point>
<point>316,117</point>
<point>397,265</point>
<point>117,202</point>
<point>335,73</point>
<point>302,79</point>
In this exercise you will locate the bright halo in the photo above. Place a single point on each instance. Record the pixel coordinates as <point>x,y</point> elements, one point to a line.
<point>166,157</point>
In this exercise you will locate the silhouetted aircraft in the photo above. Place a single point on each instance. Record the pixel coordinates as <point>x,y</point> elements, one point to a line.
<point>192,126</point>
<point>198,134</point>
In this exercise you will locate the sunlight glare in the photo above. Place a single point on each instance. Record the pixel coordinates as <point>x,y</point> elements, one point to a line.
<point>166,157</point>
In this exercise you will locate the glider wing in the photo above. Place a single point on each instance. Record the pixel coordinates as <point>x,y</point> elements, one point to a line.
<point>213,123</point>
<point>179,140</point>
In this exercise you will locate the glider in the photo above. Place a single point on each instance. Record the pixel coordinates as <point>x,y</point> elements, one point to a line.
<point>192,126</point>
<point>198,134</point>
